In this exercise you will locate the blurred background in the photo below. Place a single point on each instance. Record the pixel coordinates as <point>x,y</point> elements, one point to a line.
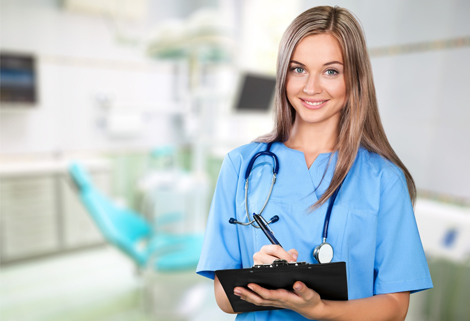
<point>115,117</point>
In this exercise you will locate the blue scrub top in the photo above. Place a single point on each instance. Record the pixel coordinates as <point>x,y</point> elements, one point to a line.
<point>372,226</point>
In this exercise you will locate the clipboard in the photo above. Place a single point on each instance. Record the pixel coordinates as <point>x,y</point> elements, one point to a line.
<point>328,279</point>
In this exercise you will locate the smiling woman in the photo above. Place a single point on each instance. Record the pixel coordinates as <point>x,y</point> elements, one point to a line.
<point>328,135</point>
<point>316,88</point>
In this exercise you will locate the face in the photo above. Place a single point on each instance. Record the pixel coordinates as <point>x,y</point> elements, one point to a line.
<point>315,85</point>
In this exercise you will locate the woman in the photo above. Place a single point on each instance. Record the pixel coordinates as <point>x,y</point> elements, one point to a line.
<point>328,137</point>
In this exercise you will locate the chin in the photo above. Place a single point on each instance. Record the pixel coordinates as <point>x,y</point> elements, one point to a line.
<point>311,119</point>
<point>318,119</point>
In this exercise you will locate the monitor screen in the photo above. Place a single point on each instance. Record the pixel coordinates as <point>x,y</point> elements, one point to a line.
<point>17,79</point>
<point>256,93</point>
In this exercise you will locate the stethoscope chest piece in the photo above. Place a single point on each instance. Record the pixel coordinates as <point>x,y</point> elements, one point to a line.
<point>323,253</point>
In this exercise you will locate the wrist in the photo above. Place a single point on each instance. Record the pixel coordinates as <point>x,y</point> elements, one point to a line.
<point>319,311</point>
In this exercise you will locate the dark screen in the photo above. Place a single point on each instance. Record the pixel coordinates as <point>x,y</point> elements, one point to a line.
<point>17,79</point>
<point>256,93</point>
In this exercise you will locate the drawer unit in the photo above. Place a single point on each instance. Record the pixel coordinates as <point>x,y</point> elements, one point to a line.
<point>29,217</point>
<point>41,213</point>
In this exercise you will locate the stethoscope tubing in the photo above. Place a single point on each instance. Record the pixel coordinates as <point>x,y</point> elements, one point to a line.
<point>252,222</point>
<point>328,213</point>
<point>267,152</point>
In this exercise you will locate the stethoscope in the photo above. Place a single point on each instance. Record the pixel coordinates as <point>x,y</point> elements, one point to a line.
<point>323,253</point>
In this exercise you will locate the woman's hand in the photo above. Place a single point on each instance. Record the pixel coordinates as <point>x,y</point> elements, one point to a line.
<point>303,300</point>
<point>269,253</point>
<point>307,302</point>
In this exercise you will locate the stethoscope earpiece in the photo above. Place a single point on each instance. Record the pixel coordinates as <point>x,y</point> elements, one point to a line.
<point>273,219</point>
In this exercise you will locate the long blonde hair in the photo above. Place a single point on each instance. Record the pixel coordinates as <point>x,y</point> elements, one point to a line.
<point>360,123</point>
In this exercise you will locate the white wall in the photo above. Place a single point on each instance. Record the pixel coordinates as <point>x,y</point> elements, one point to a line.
<point>78,59</point>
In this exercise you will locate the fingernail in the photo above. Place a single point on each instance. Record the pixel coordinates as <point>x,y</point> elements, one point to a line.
<point>294,256</point>
<point>237,293</point>
<point>250,287</point>
<point>298,287</point>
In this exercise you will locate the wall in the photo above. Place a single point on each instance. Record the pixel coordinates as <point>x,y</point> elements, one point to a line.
<point>80,59</point>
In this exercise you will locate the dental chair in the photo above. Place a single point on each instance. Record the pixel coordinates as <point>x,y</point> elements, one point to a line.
<point>148,246</point>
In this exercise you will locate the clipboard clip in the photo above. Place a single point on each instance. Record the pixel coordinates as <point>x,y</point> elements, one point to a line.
<point>279,263</point>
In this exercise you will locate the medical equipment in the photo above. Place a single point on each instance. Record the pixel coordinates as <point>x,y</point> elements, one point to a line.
<point>323,253</point>
<point>133,234</point>
<point>275,218</point>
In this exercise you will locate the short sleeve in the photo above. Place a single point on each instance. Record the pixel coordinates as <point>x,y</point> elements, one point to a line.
<point>400,263</point>
<point>220,249</point>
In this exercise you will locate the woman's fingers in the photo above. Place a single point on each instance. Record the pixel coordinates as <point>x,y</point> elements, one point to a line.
<point>266,294</point>
<point>249,296</point>
<point>307,294</point>
<point>263,297</point>
<point>294,254</point>
<point>269,253</point>
<point>302,291</point>
<point>301,300</point>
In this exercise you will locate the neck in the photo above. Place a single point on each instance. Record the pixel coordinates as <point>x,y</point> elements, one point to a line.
<point>313,138</point>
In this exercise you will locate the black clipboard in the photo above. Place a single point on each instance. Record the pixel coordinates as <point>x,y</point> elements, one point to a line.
<point>328,279</point>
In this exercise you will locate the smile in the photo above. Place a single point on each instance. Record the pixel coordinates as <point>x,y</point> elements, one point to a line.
<point>313,104</point>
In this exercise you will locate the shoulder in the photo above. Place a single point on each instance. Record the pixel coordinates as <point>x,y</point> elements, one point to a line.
<point>376,167</point>
<point>245,150</point>
<point>240,155</point>
<point>371,178</point>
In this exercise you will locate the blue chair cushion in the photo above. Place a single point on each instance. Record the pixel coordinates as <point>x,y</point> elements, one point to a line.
<point>187,249</point>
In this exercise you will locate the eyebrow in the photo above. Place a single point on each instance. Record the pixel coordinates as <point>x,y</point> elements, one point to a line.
<point>327,64</point>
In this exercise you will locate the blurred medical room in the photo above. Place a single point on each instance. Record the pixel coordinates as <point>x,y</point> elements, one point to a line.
<point>115,118</point>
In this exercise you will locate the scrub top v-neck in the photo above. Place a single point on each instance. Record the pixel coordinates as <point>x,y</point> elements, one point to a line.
<point>372,225</point>
<point>317,168</point>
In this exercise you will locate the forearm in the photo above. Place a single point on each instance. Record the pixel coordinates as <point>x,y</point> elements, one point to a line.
<point>384,307</point>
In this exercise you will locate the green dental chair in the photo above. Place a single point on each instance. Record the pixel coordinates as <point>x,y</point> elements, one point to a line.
<point>147,246</point>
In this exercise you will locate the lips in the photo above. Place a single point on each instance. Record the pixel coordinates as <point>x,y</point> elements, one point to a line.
<point>313,104</point>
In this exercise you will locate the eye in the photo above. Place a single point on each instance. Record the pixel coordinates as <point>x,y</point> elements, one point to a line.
<point>298,70</point>
<point>331,72</point>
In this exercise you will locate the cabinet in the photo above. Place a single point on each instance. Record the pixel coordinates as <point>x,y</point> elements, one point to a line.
<point>40,212</point>
<point>29,222</point>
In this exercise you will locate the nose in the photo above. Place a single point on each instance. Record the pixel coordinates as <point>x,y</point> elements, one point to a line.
<point>312,86</point>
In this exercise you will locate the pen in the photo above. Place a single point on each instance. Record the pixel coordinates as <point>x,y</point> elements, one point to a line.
<point>266,230</point>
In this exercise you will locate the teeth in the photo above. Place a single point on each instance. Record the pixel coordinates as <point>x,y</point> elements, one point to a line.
<point>314,104</point>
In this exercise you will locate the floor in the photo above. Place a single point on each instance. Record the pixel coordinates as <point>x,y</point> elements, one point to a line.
<point>101,285</point>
